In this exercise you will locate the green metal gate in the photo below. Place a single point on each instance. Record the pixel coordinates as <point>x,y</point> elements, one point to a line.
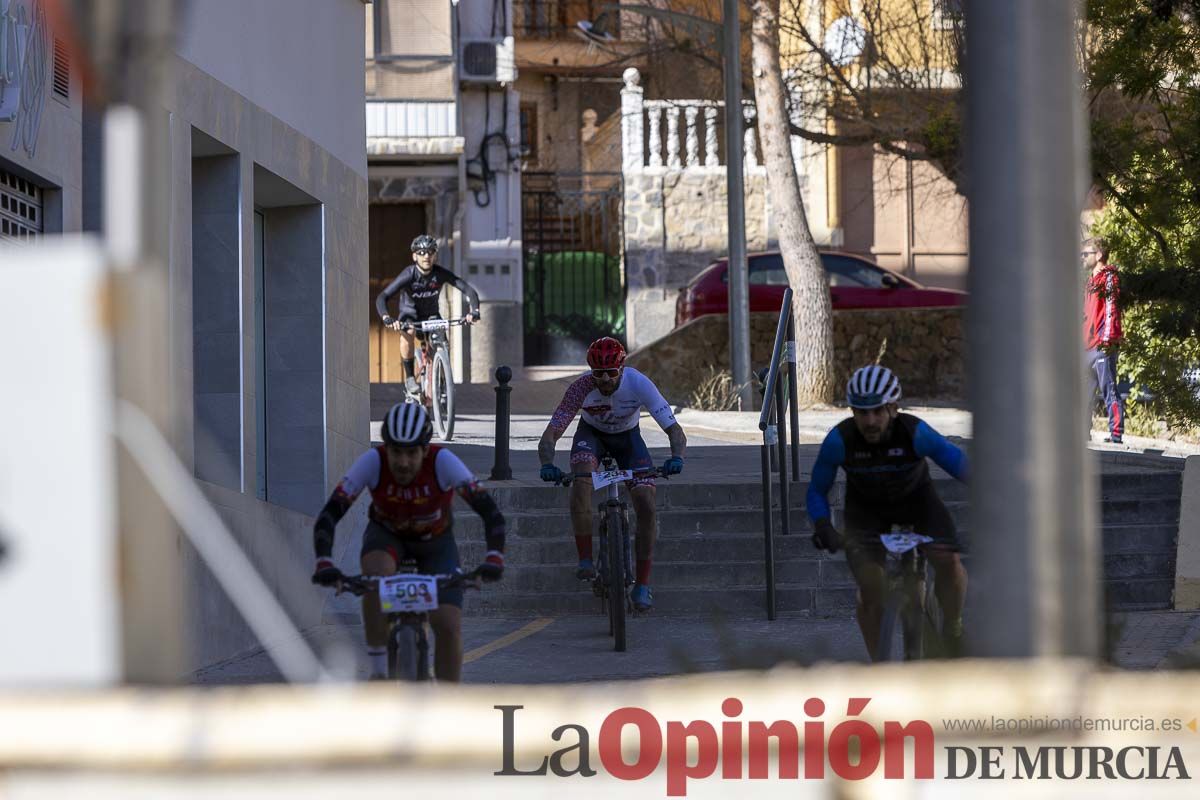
<point>573,263</point>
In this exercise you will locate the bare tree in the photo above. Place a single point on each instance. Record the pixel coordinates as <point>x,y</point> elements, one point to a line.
<point>811,302</point>
<point>881,72</point>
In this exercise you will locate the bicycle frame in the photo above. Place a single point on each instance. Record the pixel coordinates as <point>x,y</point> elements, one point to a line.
<point>905,599</point>
<point>407,641</point>
<point>614,546</point>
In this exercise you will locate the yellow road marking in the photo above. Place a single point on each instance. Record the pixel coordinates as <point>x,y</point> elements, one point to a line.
<point>507,639</point>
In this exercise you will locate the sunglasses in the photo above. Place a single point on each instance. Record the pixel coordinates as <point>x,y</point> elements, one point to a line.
<point>605,373</point>
<point>424,252</point>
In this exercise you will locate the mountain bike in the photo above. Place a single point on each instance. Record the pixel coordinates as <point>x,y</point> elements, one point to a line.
<point>407,598</point>
<point>614,565</point>
<point>435,378</point>
<point>909,599</point>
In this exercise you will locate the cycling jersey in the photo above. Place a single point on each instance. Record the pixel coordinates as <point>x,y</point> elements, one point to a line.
<point>422,508</point>
<point>885,474</point>
<point>614,413</point>
<point>419,292</point>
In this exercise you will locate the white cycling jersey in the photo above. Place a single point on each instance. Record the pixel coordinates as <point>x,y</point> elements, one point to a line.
<point>614,413</point>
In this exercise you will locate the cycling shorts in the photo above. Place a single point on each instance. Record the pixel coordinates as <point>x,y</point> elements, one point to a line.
<point>627,448</point>
<point>922,511</point>
<point>435,556</point>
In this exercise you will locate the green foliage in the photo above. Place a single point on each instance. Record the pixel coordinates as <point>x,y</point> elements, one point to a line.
<point>1142,71</point>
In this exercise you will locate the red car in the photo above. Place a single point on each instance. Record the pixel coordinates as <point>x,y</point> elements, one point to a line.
<point>854,282</point>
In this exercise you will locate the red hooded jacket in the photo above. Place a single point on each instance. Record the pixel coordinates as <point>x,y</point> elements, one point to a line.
<point>1101,309</point>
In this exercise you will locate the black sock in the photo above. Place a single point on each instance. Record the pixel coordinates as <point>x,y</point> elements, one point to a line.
<point>409,369</point>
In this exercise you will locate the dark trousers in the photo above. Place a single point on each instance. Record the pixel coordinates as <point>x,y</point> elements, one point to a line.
<point>1103,374</point>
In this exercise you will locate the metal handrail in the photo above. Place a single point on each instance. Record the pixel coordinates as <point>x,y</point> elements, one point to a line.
<point>773,423</point>
<point>785,317</point>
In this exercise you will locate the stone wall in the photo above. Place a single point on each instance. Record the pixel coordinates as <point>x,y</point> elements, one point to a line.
<point>925,347</point>
<point>675,224</point>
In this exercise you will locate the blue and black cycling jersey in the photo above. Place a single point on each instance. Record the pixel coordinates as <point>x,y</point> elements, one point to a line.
<point>885,473</point>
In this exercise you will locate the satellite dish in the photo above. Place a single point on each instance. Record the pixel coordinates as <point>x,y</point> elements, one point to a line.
<point>595,32</point>
<point>845,40</point>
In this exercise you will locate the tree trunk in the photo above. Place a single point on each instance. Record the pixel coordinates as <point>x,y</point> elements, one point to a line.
<point>810,289</point>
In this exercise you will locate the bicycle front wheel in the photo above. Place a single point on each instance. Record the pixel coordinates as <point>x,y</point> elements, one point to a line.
<point>403,654</point>
<point>443,395</point>
<point>884,648</point>
<point>616,576</point>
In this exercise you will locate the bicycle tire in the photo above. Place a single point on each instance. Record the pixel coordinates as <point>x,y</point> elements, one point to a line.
<point>443,395</point>
<point>601,580</point>
<point>887,629</point>
<point>423,655</point>
<point>402,653</point>
<point>616,576</point>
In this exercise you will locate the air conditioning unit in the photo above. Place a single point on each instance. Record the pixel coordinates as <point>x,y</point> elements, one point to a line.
<point>488,61</point>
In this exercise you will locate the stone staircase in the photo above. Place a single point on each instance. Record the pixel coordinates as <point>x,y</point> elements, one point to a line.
<point>709,557</point>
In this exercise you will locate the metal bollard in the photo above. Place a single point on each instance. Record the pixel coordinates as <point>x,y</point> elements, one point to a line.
<point>501,470</point>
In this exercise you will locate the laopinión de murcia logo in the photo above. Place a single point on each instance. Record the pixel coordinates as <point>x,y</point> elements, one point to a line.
<point>853,749</point>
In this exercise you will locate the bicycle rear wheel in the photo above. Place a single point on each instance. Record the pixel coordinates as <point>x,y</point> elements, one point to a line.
<point>443,395</point>
<point>616,576</point>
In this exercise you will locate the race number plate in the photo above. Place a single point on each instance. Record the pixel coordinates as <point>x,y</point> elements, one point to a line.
<point>434,325</point>
<point>903,542</point>
<point>408,594</point>
<point>604,478</point>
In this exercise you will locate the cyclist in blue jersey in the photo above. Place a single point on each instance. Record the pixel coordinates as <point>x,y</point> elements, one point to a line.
<point>883,453</point>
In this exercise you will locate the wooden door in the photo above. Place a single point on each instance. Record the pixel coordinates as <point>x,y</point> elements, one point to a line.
<point>392,229</point>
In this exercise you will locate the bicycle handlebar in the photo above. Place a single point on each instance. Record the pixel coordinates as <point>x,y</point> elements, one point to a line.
<point>433,324</point>
<point>358,585</point>
<point>567,479</point>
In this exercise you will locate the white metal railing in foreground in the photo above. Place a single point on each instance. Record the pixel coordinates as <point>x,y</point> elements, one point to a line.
<point>908,721</point>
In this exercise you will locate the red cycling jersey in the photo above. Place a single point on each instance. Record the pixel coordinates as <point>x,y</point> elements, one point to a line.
<point>419,509</point>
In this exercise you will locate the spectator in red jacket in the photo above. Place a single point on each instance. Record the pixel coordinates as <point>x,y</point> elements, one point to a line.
<point>1102,331</point>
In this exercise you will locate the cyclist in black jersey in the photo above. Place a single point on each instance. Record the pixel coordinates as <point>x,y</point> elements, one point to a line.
<point>420,286</point>
<point>883,453</point>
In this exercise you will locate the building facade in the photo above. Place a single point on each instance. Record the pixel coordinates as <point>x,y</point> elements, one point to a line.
<point>267,264</point>
<point>41,126</point>
<point>441,139</point>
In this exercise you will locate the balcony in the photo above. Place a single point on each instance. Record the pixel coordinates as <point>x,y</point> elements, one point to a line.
<point>554,19</point>
<point>412,128</point>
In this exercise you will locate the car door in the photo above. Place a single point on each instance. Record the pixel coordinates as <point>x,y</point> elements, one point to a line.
<point>857,283</point>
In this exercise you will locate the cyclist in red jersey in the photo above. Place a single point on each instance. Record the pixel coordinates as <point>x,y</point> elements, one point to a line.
<point>412,485</point>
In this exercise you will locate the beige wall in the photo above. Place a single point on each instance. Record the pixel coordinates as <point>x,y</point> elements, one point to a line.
<point>908,217</point>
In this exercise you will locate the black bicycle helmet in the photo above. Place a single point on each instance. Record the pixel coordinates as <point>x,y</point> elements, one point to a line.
<point>424,242</point>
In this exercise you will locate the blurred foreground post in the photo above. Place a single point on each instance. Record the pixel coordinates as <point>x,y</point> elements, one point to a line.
<point>1033,525</point>
<point>134,66</point>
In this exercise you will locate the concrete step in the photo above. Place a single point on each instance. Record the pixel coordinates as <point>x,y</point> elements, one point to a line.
<point>1132,539</point>
<point>684,521</point>
<point>696,495</point>
<point>731,600</point>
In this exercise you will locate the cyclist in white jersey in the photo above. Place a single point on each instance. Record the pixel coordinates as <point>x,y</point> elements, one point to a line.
<point>610,399</point>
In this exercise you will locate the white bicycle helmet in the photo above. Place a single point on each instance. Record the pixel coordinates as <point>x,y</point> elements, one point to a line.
<point>407,425</point>
<point>871,387</point>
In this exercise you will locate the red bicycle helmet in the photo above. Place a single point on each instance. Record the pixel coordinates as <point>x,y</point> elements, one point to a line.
<point>606,353</point>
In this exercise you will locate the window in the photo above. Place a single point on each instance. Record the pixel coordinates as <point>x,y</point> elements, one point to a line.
<point>768,271</point>
<point>529,131</point>
<point>845,271</point>
<point>945,14</point>
<point>20,207</point>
